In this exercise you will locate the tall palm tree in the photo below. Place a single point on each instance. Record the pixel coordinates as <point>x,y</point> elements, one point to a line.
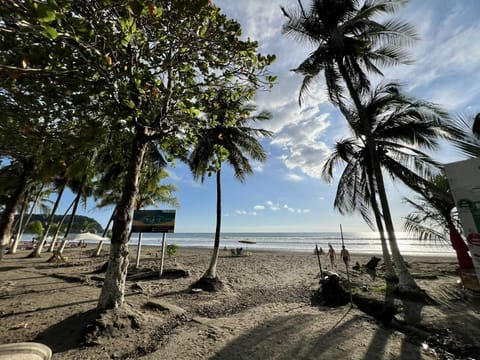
<point>401,125</point>
<point>230,139</point>
<point>349,43</point>
<point>356,192</point>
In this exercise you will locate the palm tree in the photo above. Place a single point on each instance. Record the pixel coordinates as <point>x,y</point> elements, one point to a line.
<point>229,139</point>
<point>355,191</point>
<point>349,42</point>
<point>465,133</point>
<point>433,218</point>
<point>39,200</point>
<point>401,125</point>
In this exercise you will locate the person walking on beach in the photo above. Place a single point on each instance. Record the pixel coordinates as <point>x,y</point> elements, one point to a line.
<point>345,255</point>
<point>332,255</point>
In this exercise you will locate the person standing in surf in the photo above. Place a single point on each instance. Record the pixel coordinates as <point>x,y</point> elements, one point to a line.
<point>332,255</point>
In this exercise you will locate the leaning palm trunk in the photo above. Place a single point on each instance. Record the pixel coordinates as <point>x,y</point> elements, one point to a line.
<point>19,236</point>
<point>98,250</point>
<point>52,215</point>
<point>39,248</point>
<point>389,271</point>
<point>406,281</point>
<point>76,202</point>
<point>113,290</point>
<point>8,215</point>
<point>212,268</point>
<point>59,228</point>
<point>13,247</point>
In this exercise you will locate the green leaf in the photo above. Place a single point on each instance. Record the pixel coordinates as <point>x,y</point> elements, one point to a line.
<point>125,24</point>
<point>203,30</point>
<point>137,7</point>
<point>45,13</point>
<point>49,32</point>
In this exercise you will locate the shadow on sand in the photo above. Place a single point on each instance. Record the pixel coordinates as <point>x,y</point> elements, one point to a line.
<point>303,336</point>
<point>69,333</point>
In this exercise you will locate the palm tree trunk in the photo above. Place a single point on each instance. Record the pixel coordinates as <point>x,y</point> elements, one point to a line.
<point>212,268</point>
<point>52,216</point>
<point>406,281</point>
<point>112,294</point>
<point>30,213</point>
<point>59,228</point>
<point>13,247</point>
<point>76,202</point>
<point>8,215</point>
<point>98,250</point>
<point>389,271</point>
<point>39,248</point>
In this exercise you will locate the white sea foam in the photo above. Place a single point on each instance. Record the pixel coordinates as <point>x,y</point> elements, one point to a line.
<point>359,242</point>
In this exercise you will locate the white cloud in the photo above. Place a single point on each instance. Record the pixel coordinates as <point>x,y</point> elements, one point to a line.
<point>302,144</point>
<point>294,177</point>
<point>446,70</point>
<point>296,211</point>
<point>257,166</point>
<point>245,213</point>
<point>271,206</point>
<point>296,130</point>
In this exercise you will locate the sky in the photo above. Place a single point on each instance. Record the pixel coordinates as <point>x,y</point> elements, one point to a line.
<point>286,193</point>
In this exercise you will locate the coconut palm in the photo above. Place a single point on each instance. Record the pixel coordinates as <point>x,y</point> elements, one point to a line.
<point>230,139</point>
<point>356,192</point>
<point>465,133</point>
<point>39,200</point>
<point>349,42</point>
<point>401,125</point>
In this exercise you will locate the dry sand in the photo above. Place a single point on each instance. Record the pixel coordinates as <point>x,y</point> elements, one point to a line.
<point>264,312</point>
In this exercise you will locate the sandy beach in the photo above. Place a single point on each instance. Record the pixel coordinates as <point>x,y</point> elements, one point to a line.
<point>264,312</point>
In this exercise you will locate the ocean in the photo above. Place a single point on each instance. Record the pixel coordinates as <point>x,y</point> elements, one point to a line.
<point>355,242</point>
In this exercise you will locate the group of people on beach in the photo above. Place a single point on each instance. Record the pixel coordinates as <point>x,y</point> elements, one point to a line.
<point>332,255</point>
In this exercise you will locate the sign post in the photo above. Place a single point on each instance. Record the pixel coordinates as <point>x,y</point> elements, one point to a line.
<point>163,256</point>
<point>139,250</point>
<point>153,221</point>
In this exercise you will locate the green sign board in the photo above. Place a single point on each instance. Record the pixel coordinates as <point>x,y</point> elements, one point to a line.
<point>162,221</point>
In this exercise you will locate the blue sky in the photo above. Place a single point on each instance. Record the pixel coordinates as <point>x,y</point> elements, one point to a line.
<point>286,193</point>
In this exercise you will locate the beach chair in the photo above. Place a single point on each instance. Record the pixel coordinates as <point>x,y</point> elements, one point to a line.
<point>237,252</point>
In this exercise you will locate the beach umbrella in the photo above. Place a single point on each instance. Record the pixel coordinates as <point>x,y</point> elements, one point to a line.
<point>85,236</point>
<point>246,242</point>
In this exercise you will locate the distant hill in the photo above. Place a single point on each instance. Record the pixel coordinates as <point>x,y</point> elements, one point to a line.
<point>77,225</point>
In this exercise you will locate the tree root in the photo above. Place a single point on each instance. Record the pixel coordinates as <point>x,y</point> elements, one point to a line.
<point>112,323</point>
<point>210,284</point>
